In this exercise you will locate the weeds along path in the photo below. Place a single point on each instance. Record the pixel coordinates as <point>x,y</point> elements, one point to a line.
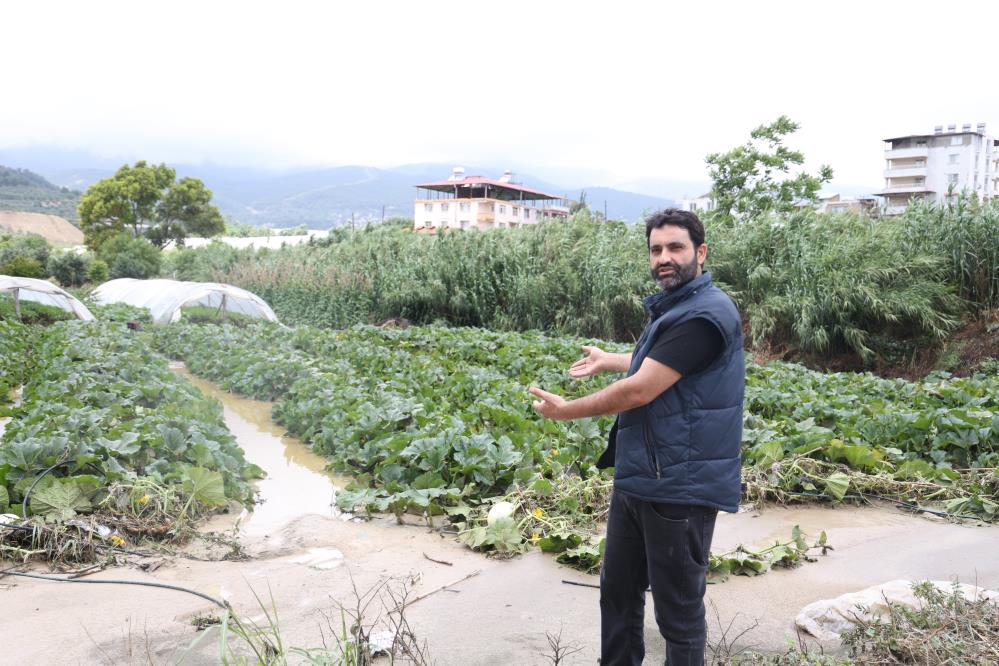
<point>437,421</point>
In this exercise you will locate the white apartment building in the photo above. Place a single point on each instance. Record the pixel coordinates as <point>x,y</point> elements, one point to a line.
<point>475,202</point>
<point>939,165</point>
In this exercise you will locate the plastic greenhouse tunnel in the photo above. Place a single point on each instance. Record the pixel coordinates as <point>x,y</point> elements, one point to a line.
<point>43,292</point>
<point>165,298</point>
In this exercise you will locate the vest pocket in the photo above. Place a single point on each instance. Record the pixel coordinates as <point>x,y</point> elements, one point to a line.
<point>650,449</point>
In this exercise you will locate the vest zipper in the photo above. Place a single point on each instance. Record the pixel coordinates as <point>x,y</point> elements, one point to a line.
<point>653,458</point>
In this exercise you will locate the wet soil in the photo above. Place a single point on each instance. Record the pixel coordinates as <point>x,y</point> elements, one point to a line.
<point>306,560</point>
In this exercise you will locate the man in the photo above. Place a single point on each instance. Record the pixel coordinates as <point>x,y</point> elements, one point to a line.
<point>675,447</point>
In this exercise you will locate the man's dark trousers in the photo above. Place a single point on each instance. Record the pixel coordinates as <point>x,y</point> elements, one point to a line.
<point>667,546</point>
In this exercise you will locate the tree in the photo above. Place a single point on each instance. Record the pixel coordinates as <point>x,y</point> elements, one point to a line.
<point>754,179</point>
<point>149,202</point>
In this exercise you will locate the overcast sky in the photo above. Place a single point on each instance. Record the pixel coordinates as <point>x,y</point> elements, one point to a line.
<point>610,92</point>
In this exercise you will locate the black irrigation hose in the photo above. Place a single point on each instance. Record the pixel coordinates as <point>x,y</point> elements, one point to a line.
<point>165,586</point>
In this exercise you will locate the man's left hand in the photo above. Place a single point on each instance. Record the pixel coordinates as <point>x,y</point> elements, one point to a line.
<point>550,406</point>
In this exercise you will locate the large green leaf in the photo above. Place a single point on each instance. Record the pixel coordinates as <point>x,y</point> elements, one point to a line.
<point>205,485</point>
<point>59,499</point>
<point>837,484</point>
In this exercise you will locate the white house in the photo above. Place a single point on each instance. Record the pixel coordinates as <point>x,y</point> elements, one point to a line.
<point>700,204</point>
<point>476,202</point>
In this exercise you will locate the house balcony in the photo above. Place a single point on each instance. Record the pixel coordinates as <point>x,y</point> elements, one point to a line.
<point>906,172</point>
<point>906,153</point>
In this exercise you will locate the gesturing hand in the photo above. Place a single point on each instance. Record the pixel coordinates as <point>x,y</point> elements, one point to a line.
<point>550,405</point>
<point>593,363</point>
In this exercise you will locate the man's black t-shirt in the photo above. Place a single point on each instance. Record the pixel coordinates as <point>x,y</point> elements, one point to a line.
<point>688,347</point>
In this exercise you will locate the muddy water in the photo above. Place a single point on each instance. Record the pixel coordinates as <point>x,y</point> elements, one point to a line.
<point>297,482</point>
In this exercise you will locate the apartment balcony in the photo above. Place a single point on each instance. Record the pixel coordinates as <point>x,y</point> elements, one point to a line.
<point>906,153</point>
<point>907,189</point>
<point>906,172</point>
<point>894,210</point>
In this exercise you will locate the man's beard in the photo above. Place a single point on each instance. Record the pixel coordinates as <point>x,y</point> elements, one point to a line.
<point>682,274</point>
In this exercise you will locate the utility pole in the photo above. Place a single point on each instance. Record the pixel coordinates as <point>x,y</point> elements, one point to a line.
<point>605,210</point>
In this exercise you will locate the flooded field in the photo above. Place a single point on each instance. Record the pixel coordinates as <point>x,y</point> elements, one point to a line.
<point>306,559</point>
<point>297,482</point>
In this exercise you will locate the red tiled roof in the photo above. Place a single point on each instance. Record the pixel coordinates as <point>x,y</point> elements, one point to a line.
<point>473,181</point>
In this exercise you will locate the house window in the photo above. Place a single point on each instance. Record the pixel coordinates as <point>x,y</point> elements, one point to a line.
<point>428,224</point>
<point>464,224</point>
<point>920,143</point>
<point>957,140</point>
<point>502,208</point>
<point>428,207</point>
<point>527,213</point>
<point>463,206</point>
<point>952,158</point>
<point>443,207</point>
<point>919,182</point>
<point>952,179</point>
<point>515,210</point>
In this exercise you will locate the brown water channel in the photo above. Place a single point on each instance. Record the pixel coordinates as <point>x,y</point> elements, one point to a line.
<point>297,482</point>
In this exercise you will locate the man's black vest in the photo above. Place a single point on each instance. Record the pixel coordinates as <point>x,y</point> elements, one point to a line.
<point>684,446</point>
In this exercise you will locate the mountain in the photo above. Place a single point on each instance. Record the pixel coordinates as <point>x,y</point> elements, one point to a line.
<point>324,197</point>
<point>24,191</point>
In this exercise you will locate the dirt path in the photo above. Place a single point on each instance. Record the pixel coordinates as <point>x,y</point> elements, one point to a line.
<point>309,559</point>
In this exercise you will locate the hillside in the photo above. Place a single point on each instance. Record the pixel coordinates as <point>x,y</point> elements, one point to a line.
<point>22,190</point>
<point>50,227</point>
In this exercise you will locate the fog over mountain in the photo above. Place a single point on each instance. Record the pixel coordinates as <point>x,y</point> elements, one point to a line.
<point>331,196</point>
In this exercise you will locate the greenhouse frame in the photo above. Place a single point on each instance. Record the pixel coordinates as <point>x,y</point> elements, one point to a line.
<point>165,298</point>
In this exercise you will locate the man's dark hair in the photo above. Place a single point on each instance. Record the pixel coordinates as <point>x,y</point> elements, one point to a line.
<point>676,218</point>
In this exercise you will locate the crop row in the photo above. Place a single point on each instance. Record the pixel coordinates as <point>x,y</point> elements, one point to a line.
<point>428,412</point>
<point>99,408</point>
<point>436,412</point>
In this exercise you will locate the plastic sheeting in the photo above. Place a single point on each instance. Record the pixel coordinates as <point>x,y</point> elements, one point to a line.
<point>45,293</point>
<point>165,298</point>
<point>828,618</point>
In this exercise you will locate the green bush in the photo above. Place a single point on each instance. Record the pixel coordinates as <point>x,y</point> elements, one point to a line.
<point>23,267</point>
<point>130,257</point>
<point>98,271</point>
<point>833,283</point>
<point>31,247</point>
<point>69,268</point>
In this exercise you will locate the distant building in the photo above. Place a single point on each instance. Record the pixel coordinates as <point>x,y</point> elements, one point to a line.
<point>834,203</point>
<point>475,202</point>
<point>700,204</point>
<point>936,166</point>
